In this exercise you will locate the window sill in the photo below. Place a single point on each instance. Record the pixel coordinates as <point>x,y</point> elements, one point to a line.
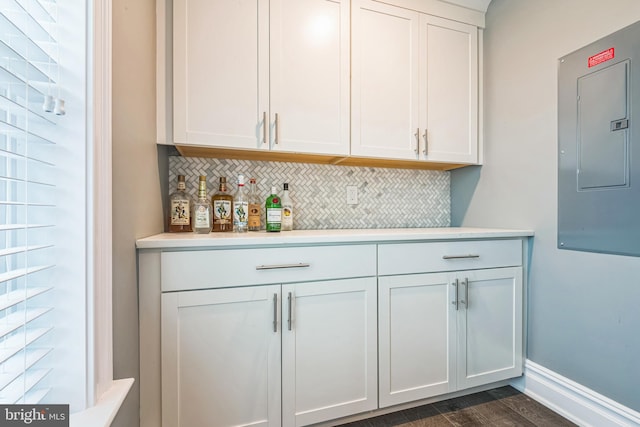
<point>106,408</point>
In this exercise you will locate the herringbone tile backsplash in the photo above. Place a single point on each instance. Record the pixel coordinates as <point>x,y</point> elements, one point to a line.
<point>387,198</point>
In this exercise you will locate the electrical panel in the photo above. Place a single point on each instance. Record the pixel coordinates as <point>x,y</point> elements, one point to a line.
<point>599,145</point>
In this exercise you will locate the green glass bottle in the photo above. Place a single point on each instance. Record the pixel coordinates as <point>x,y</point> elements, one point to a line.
<point>273,210</point>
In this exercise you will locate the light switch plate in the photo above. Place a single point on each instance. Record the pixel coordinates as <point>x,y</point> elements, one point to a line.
<point>352,195</point>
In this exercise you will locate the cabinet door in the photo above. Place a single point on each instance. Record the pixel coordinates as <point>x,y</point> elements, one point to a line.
<point>329,348</point>
<point>489,326</point>
<point>449,90</point>
<point>220,72</point>
<point>221,357</point>
<point>417,326</point>
<point>385,90</point>
<point>309,60</point>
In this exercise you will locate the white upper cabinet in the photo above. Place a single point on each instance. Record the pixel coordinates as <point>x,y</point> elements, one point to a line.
<point>414,85</point>
<point>449,90</point>
<point>262,75</point>
<point>310,76</point>
<point>385,73</point>
<point>362,78</point>
<point>220,72</point>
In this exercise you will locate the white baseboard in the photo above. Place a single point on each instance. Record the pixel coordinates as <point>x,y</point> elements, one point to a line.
<point>573,401</point>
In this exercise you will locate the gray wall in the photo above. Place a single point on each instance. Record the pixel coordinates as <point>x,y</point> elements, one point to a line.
<point>137,206</point>
<point>584,317</point>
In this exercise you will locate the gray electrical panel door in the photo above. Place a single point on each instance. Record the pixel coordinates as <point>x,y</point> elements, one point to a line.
<point>599,152</point>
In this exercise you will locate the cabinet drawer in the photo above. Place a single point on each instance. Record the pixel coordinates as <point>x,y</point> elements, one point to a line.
<point>409,258</point>
<point>243,267</point>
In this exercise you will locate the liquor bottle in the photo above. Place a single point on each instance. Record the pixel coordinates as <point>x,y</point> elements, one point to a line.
<point>180,208</point>
<point>273,210</point>
<point>254,206</point>
<point>287,210</point>
<point>240,208</point>
<point>202,211</point>
<point>222,203</point>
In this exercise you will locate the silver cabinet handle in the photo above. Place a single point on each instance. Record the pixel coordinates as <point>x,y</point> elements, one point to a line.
<point>465,301</point>
<point>417,135</point>
<point>455,301</point>
<point>289,300</point>
<point>460,256</point>
<point>426,143</point>
<point>466,292</point>
<point>282,266</point>
<point>265,128</point>
<point>277,137</point>
<point>275,312</point>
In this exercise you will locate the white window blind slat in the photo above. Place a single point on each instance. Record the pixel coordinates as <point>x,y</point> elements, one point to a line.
<point>18,319</point>
<point>28,75</point>
<point>14,36</point>
<point>34,111</point>
<point>14,365</point>
<point>9,299</point>
<point>33,397</point>
<point>20,388</point>
<point>21,249</point>
<point>22,272</point>
<point>19,342</point>
<point>20,65</point>
<point>21,91</point>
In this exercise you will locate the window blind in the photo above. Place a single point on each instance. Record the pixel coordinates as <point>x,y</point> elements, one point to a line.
<point>29,110</point>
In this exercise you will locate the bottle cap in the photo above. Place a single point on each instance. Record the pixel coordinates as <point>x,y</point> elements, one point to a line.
<point>240,179</point>
<point>286,185</point>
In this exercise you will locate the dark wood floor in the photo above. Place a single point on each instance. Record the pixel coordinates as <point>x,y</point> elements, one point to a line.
<point>504,406</point>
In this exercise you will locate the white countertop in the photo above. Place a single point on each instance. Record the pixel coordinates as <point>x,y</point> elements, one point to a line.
<point>306,237</point>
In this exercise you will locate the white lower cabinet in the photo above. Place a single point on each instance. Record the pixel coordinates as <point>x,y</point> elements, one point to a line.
<point>417,337</point>
<point>448,331</point>
<point>443,332</point>
<point>329,350</point>
<point>489,326</point>
<point>220,357</point>
<point>289,355</point>
<point>295,336</point>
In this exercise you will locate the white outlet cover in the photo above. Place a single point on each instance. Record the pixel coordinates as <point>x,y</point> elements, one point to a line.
<point>352,195</point>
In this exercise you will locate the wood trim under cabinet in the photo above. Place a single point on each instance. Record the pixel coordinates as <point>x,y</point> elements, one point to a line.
<point>272,156</point>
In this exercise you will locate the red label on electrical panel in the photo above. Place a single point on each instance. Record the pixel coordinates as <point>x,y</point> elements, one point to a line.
<point>599,58</point>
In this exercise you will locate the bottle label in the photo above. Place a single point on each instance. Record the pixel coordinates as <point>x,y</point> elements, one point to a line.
<point>180,212</point>
<point>287,218</point>
<point>201,219</point>
<point>240,212</point>
<point>222,211</point>
<point>274,215</point>
<point>254,215</point>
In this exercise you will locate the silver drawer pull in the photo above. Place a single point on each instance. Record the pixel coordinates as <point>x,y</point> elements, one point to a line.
<point>460,256</point>
<point>281,266</point>
<point>275,312</point>
<point>290,301</point>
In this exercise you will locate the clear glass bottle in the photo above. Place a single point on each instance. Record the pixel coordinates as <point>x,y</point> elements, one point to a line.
<point>273,211</point>
<point>180,208</point>
<point>222,202</point>
<point>202,211</point>
<point>287,210</point>
<point>240,208</point>
<point>254,206</point>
